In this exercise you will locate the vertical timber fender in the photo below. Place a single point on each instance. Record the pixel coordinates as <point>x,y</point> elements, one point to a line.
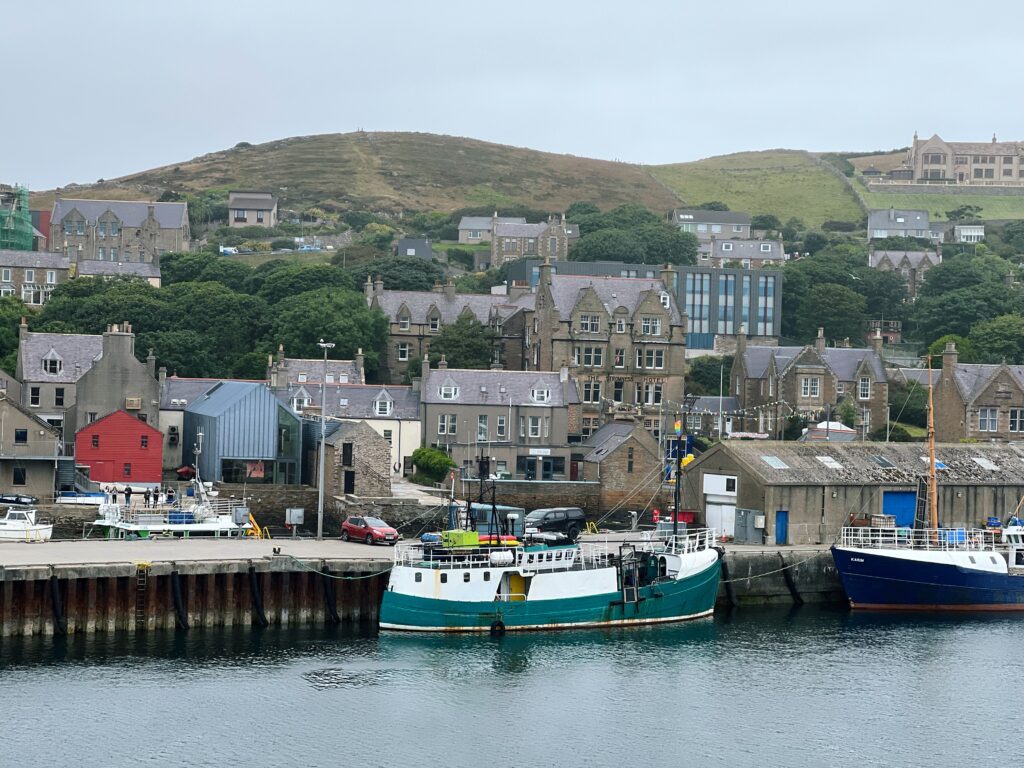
<point>330,597</point>
<point>60,621</point>
<point>257,598</point>
<point>730,592</point>
<point>180,615</point>
<point>787,574</point>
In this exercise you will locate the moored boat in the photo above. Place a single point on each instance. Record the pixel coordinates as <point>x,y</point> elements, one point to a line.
<point>22,524</point>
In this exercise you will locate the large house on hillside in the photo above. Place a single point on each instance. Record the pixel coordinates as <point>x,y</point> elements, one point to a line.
<point>976,402</point>
<point>912,266</point>
<point>478,229</point>
<point>118,230</point>
<point>966,162</point>
<point>544,240</point>
<point>706,225</point>
<point>896,222</point>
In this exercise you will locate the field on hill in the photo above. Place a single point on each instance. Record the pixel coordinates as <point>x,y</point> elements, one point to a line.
<point>397,171</point>
<point>784,182</point>
<point>993,207</point>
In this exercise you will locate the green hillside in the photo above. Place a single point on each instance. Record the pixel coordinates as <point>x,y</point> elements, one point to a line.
<point>394,172</point>
<point>992,206</point>
<point>784,182</point>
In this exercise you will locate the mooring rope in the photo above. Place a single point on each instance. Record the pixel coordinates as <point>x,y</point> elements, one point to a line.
<point>777,570</point>
<point>335,576</point>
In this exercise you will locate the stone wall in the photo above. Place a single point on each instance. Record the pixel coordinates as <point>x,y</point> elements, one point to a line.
<point>945,189</point>
<point>534,494</point>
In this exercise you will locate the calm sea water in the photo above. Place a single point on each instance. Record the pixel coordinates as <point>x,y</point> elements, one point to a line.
<point>807,687</point>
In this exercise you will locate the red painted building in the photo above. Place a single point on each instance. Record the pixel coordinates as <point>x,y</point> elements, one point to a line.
<point>120,449</point>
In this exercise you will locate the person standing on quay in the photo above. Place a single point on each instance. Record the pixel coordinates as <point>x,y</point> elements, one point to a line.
<point>128,497</point>
<point>145,498</point>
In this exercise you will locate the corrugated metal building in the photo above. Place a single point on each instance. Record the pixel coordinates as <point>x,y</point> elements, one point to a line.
<point>120,449</point>
<point>248,435</point>
<point>806,492</point>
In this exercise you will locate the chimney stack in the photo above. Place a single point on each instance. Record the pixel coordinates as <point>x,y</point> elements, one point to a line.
<point>949,358</point>
<point>741,340</point>
<point>378,286</point>
<point>442,364</point>
<point>360,366</point>
<point>449,289</point>
<point>368,288</point>
<point>563,373</point>
<point>23,328</point>
<point>819,343</point>
<point>280,354</point>
<point>151,363</point>
<point>876,342</point>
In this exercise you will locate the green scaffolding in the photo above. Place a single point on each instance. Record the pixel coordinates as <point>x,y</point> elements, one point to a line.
<point>15,219</point>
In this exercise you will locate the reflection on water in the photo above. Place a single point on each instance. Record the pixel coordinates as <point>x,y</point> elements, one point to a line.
<point>802,687</point>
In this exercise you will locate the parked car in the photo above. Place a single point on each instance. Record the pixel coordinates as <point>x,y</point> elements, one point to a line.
<point>308,248</point>
<point>568,520</point>
<point>371,530</point>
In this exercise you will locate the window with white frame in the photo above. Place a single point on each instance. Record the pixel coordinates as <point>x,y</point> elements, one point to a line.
<point>639,363</point>
<point>651,393</point>
<point>620,357</point>
<point>30,275</point>
<point>446,424</point>
<point>482,430</point>
<point>726,246</point>
<point>654,358</point>
<point>591,391</point>
<point>435,323</point>
<point>620,325</point>
<point>299,404</point>
<point>589,323</point>
<point>840,389</point>
<point>810,386</point>
<point>403,350</point>
<point>988,419</point>
<point>865,418</point>
<point>535,426</point>
<point>403,323</point>
<point>666,300</point>
<point>651,326</point>
<point>52,365</point>
<point>502,428</point>
<point>448,392</point>
<point>540,395</point>
<point>387,435</point>
<point>302,378</point>
<point>1017,420</point>
<point>383,407</point>
<point>864,388</point>
<point>766,247</point>
<point>5,275</point>
<point>737,227</point>
<point>589,357</point>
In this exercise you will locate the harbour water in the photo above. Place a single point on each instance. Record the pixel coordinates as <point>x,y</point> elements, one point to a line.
<point>801,687</point>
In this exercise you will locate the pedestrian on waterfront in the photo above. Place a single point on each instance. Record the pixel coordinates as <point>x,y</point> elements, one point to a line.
<point>146,498</point>
<point>128,496</point>
<point>170,496</point>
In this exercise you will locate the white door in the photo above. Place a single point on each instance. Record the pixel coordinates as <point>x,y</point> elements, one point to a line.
<point>722,517</point>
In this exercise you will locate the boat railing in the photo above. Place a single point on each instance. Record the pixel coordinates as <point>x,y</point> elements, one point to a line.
<point>136,513</point>
<point>691,541</point>
<point>940,539</point>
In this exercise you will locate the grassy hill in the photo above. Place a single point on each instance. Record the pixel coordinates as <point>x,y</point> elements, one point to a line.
<point>396,171</point>
<point>784,182</point>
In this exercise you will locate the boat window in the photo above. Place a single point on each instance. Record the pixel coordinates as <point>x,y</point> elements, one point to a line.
<point>419,577</point>
<point>971,558</point>
<point>465,576</point>
<point>487,575</point>
<point>558,555</point>
<point>529,559</point>
<point>444,578</point>
<point>549,556</point>
<point>994,561</point>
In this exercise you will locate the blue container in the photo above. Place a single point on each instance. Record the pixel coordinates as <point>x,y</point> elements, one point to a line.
<point>180,518</point>
<point>993,522</point>
<point>953,535</point>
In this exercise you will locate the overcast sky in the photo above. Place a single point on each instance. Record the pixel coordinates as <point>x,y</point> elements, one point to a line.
<point>101,88</point>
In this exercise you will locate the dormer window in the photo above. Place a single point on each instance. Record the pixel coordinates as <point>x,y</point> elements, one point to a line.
<point>665,300</point>
<point>52,363</point>
<point>435,323</point>
<point>383,407</point>
<point>726,246</point>
<point>403,323</point>
<point>299,404</point>
<point>448,392</point>
<point>302,378</point>
<point>620,325</point>
<point>540,395</point>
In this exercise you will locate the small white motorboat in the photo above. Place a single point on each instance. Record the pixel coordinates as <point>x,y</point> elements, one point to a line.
<point>20,524</point>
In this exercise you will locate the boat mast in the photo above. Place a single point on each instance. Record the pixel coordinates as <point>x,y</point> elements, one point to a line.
<point>933,491</point>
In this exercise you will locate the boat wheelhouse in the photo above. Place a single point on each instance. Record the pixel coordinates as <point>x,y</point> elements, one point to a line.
<point>21,524</point>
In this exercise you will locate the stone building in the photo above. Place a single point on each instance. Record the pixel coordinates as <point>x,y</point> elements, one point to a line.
<point>118,230</point>
<point>705,225</point>
<point>624,340</point>
<point>966,162</point>
<point>912,266</point>
<point>772,383</point>
<point>29,450</point>
<point>359,459</point>
<point>982,402</point>
<point>32,275</point>
<point>544,240</point>
<point>477,229</point>
<point>748,254</point>
<point>284,372</point>
<point>626,461</point>
<point>897,222</point>
<point>252,209</point>
<point>115,381</point>
<point>416,317</point>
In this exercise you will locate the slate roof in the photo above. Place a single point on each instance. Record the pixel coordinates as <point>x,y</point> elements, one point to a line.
<point>714,405</point>
<point>614,292</point>
<point>859,468</point>
<point>605,440</point>
<point>700,216</point>
<point>746,249</point>
<point>880,219</point>
<point>419,304</point>
<point>914,258</point>
<point>34,259</point>
<point>359,400</point>
<point>420,246</point>
<point>484,222</point>
<point>254,201</point>
<point>77,351</point>
<point>520,230</point>
<point>97,268</point>
<point>971,378</point>
<point>920,375</point>
<point>130,213</point>
<point>844,361</point>
<point>314,370</point>
<point>977,147</point>
<point>351,429</point>
<point>179,392</point>
<point>498,387</point>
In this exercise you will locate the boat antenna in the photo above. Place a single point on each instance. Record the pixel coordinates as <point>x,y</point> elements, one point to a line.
<point>933,491</point>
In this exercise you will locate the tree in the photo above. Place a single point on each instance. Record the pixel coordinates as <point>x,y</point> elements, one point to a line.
<point>581,208</point>
<point>466,343</point>
<point>909,403</point>
<point>182,353</point>
<point>608,245</point>
<point>89,305</point>
<point>377,235</point>
<point>432,463</point>
<point>765,221</point>
<point>665,244</point>
<point>225,271</point>
<point>182,267</point>
<point>713,205</point>
<point>338,316</point>
<point>964,213</point>
<point>624,217</point>
<point>294,279</point>
<point>839,310</point>
<point>706,372</point>
<point>999,340</point>
<point>964,348</point>
<point>956,312</point>
<point>814,242</point>
<point>963,271</point>
<point>399,273</point>
<point>846,412</point>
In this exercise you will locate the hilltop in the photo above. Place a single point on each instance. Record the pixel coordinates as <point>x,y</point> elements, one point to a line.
<point>394,172</point>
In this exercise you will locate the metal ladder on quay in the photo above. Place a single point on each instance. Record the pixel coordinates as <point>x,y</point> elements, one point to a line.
<point>141,590</point>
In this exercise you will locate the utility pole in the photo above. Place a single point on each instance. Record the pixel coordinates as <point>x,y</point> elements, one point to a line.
<point>324,345</point>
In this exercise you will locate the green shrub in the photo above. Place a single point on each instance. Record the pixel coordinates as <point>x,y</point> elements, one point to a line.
<point>463,256</point>
<point>432,463</point>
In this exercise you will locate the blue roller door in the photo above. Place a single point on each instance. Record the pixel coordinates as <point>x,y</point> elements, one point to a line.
<point>901,504</point>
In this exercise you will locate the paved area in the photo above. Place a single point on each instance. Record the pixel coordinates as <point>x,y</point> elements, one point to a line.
<point>16,554</point>
<point>403,489</point>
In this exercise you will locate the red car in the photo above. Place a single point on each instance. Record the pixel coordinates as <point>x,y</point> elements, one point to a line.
<point>368,529</point>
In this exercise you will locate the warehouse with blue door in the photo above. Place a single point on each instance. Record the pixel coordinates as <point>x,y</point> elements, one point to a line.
<point>803,493</point>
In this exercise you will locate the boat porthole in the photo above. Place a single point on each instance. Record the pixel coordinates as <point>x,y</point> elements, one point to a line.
<point>419,577</point>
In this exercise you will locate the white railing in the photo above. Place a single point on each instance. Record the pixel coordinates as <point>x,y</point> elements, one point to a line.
<point>138,512</point>
<point>958,539</point>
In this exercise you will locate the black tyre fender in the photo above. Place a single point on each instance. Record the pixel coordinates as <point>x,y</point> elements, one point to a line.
<point>497,628</point>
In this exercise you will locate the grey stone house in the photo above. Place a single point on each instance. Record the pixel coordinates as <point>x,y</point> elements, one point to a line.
<point>748,254</point>
<point>117,381</point>
<point>712,224</point>
<point>527,421</point>
<point>477,229</point>
<point>983,402</point>
<point>252,209</point>
<point>31,275</point>
<point>284,372</point>
<point>544,240</point>
<point>626,460</point>
<point>358,462</point>
<point>29,451</point>
<point>966,162</point>
<point>912,266</point>
<point>118,230</point>
<point>897,222</point>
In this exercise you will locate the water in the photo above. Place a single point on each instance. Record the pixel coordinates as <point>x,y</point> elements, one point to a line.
<point>808,687</point>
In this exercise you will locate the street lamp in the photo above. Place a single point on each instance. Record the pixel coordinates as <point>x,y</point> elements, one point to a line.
<point>324,345</point>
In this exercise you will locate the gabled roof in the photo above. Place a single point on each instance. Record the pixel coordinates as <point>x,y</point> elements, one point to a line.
<point>868,463</point>
<point>179,392</point>
<point>313,368</point>
<point>701,216</point>
<point>359,400</point>
<point>97,268</point>
<point>886,218</point>
<point>843,361</point>
<point>419,304</point>
<point>520,230</point>
<point>129,213</point>
<point>484,222</point>
<point>120,415</point>
<point>256,201</point>
<point>972,378</point>
<point>614,292</point>
<point>712,404</point>
<point>498,387</point>
<point>77,352</point>
<point>224,395</point>
<point>12,403</point>
<point>914,258</point>
<point>747,249</point>
<point>34,259</point>
<point>606,439</point>
<point>349,430</point>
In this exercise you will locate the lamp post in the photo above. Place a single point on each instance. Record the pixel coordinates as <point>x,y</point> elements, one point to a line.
<point>324,345</point>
